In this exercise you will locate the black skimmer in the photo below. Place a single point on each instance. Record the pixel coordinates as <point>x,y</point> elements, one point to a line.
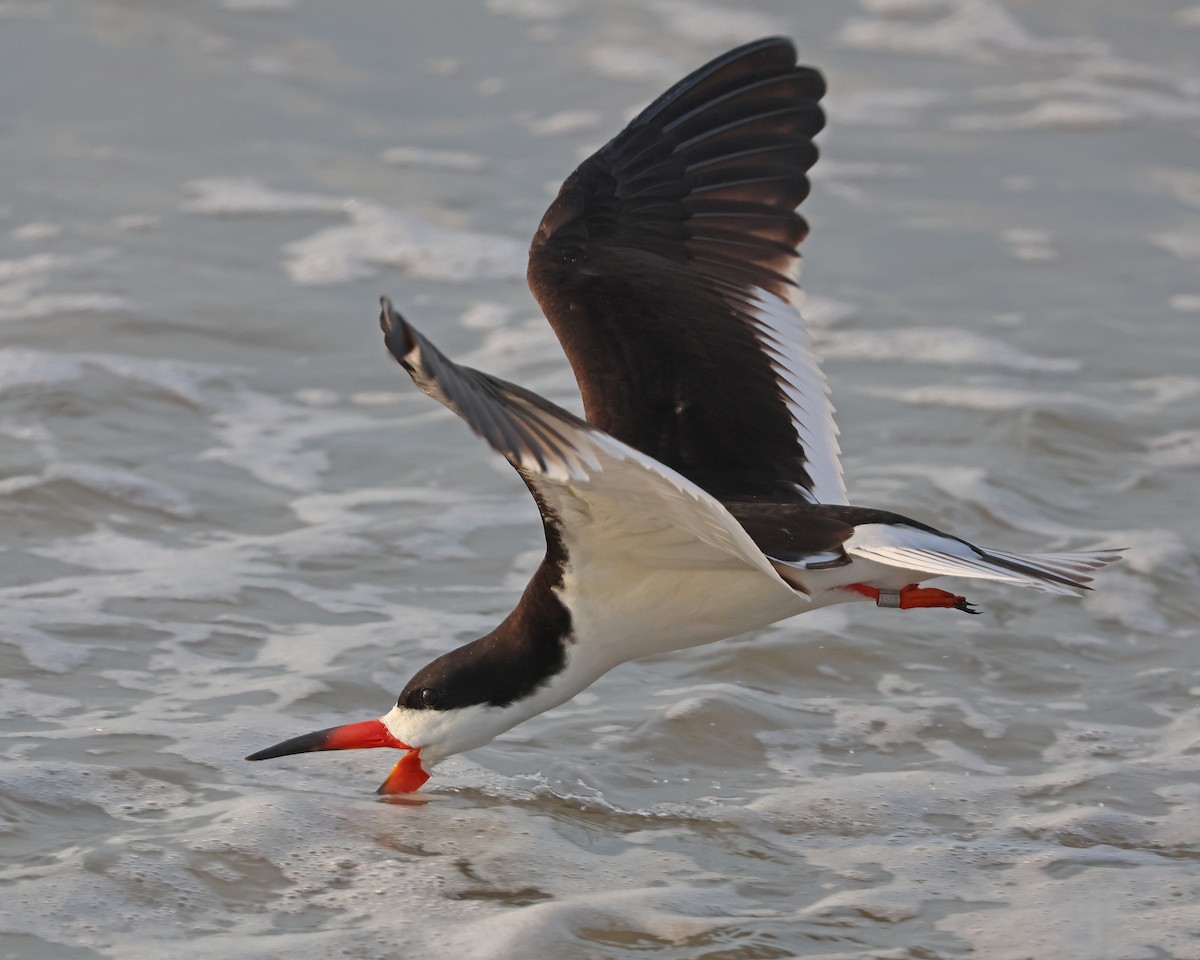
<point>702,497</point>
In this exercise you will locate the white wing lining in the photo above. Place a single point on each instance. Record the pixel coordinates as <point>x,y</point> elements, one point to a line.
<point>785,338</point>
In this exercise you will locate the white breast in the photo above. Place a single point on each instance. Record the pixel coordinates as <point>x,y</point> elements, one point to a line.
<point>626,610</point>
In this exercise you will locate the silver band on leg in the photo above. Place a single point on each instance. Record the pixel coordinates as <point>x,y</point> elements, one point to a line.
<point>889,598</point>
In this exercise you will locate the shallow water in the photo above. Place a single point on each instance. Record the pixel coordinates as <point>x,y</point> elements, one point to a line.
<point>227,518</point>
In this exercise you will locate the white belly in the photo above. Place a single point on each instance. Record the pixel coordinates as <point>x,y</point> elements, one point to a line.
<point>632,611</point>
<point>623,611</point>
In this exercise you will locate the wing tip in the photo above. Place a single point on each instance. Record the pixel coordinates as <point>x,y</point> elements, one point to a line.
<point>400,338</point>
<point>1065,573</point>
<point>772,46</point>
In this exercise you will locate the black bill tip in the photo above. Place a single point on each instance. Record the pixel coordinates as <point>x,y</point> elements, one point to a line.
<point>318,740</point>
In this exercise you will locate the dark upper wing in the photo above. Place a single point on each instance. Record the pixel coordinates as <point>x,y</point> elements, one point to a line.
<point>667,267</point>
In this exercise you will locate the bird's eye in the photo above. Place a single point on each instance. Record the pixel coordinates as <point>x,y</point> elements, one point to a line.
<point>430,697</point>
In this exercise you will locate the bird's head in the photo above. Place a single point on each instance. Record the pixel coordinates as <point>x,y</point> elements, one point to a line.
<point>458,702</point>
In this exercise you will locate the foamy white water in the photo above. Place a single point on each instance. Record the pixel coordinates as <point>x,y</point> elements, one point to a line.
<point>226,517</point>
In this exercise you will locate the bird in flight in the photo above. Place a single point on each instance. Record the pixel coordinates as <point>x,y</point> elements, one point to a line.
<point>702,496</point>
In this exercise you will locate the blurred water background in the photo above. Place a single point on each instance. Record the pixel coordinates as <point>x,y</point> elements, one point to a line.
<point>227,518</point>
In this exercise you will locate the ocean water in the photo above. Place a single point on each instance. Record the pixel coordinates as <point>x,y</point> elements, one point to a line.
<point>226,517</point>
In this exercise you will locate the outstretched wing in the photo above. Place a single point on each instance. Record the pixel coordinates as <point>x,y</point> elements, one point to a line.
<point>667,267</point>
<point>598,495</point>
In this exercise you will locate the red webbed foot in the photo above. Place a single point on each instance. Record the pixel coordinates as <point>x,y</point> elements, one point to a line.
<point>913,597</point>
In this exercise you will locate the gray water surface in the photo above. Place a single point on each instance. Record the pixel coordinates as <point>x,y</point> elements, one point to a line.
<point>227,518</point>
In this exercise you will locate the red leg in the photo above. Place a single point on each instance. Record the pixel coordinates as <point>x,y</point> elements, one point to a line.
<point>913,597</point>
